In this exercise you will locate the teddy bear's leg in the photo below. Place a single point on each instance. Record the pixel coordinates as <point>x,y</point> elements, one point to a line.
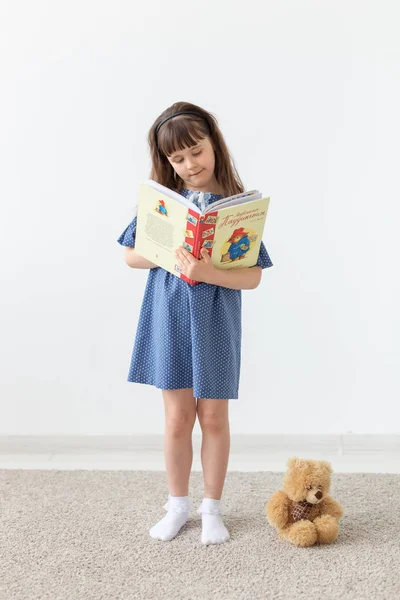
<point>302,533</point>
<point>327,529</point>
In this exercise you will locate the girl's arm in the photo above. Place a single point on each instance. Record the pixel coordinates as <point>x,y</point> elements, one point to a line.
<point>136,261</point>
<point>245,278</point>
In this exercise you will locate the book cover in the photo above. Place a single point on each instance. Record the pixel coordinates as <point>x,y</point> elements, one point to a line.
<point>231,229</point>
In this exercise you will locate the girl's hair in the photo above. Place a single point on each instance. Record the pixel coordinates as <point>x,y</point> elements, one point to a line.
<point>185,131</point>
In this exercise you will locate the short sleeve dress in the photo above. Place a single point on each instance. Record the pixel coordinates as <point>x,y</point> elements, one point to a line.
<point>188,336</point>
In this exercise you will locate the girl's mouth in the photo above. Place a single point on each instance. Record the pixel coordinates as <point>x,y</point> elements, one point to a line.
<point>194,174</point>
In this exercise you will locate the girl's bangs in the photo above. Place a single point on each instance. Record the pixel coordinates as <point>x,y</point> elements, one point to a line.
<point>179,135</point>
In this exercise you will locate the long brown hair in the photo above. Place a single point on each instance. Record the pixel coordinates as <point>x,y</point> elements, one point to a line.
<point>185,131</point>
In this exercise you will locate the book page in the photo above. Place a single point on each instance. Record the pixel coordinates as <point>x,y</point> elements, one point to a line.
<point>235,239</point>
<point>162,224</point>
<point>236,199</point>
<point>170,193</point>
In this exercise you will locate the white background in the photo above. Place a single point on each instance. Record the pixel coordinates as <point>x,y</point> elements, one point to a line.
<point>307,95</point>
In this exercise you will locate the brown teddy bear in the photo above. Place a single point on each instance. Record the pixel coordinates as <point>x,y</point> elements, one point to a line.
<point>303,513</point>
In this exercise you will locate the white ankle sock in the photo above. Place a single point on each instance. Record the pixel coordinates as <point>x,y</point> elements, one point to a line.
<point>213,528</point>
<point>178,508</point>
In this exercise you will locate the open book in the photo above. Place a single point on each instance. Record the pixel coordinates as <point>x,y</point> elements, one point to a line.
<point>231,228</point>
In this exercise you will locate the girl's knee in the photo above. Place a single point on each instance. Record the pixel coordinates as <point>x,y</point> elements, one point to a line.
<point>180,424</point>
<point>180,410</point>
<point>213,414</point>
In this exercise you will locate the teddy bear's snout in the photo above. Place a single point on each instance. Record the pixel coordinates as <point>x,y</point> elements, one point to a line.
<point>318,495</point>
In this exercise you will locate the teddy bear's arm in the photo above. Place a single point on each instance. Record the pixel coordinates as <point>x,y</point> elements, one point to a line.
<point>278,509</point>
<point>332,507</point>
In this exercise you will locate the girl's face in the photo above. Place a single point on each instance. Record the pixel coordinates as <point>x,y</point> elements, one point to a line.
<point>195,165</point>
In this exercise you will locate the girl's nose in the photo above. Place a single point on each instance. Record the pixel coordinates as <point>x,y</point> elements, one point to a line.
<point>190,163</point>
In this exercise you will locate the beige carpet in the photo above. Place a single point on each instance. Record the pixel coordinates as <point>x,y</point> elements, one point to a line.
<point>84,535</point>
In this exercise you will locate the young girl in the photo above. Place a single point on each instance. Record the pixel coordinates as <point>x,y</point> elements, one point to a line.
<point>188,340</point>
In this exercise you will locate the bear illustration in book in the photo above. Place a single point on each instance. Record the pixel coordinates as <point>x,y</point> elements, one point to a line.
<point>161,208</point>
<point>239,245</point>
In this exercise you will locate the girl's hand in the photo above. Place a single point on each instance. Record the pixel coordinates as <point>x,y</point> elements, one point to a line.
<point>198,270</point>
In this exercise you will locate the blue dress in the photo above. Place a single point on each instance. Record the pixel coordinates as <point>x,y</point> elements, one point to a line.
<point>188,336</point>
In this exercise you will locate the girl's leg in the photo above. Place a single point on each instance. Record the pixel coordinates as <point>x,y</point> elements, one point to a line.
<point>180,417</point>
<point>214,423</point>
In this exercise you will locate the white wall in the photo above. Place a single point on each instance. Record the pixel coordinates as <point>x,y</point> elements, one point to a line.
<point>307,96</point>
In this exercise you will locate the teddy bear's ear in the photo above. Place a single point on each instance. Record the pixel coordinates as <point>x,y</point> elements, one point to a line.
<point>294,462</point>
<point>327,466</point>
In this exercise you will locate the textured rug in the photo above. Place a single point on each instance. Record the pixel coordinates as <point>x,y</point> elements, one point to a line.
<point>84,535</point>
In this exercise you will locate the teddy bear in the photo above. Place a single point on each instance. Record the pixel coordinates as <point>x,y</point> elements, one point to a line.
<point>303,513</point>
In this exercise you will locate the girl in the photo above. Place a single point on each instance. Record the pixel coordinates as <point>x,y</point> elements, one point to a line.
<point>191,348</point>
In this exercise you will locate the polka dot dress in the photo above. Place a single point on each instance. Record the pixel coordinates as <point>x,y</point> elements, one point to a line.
<point>188,336</point>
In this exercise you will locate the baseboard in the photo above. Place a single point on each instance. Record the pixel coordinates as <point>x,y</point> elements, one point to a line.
<point>347,452</point>
<point>330,443</point>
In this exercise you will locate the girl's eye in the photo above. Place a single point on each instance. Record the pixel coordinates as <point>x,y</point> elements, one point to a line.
<point>179,161</point>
